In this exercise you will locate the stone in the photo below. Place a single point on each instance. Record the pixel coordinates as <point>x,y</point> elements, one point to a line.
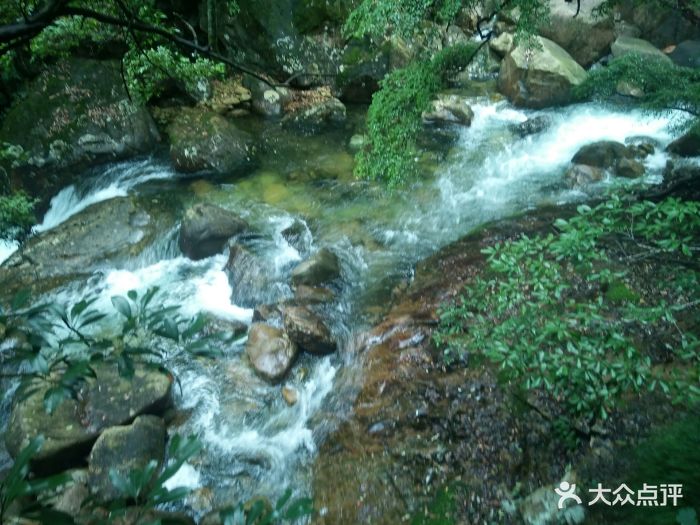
<point>297,236</point>
<point>625,45</point>
<point>321,268</point>
<point>290,395</point>
<point>76,112</point>
<point>448,109</point>
<point>313,294</point>
<point>307,330</point>
<point>316,115</point>
<point>531,126</point>
<point>73,427</point>
<point>203,140</point>
<point>629,89</point>
<point>357,142</point>
<point>629,168</point>
<point>267,313</point>
<point>539,78</point>
<point>687,145</point>
<point>502,44</point>
<point>206,228</point>
<point>602,154</point>
<point>249,278</point>
<point>103,235</point>
<point>270,350</point>
<point>586,37</point>
<point>69,498</point>
<point>579,175</point>
<point>686,54</point>
<point>124,448</point>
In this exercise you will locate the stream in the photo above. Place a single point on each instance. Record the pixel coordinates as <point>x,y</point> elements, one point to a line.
<point>254,443</point>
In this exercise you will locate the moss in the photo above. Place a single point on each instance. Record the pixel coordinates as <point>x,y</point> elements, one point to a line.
<point>618,292</point>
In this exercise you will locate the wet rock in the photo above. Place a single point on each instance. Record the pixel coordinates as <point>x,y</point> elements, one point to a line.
<point>73,427</point>
<point>357,142</point>
<point>448,109</point>
<point>313,294</point>
<point>539,78</point>
<point>629,89</point>
<point>629,168</point>
<point>307,330</point>
<point>249,277</point>
<point>687,145</point>
<point>542,508</point>
<point>69,498</point>
<point>206,228</point>
<point>267,100</point>
<point>625,45</point>
<point>603,154</point>
<point>124,448</point>
<point>586,37</point>
<point>290,395</point>
<point>531,126</point>
<point>687,54</point>
<point>103,235</point>
<point>502,44</point>
<point>580,175</point>
<point>270,351</point>
<point>297,236</point>
<point>315,112</point>
<point>74,113</point>
<point>203,140</point>
<point>321,268</point>
<point>267,313</point>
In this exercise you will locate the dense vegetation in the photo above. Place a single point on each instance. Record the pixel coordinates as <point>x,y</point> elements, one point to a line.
<point>578,319</point>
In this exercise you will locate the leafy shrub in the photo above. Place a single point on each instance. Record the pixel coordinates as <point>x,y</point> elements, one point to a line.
<point>58,345</point>
<point>545,313</point>
<point>16,215</point>
<point>394,118</point>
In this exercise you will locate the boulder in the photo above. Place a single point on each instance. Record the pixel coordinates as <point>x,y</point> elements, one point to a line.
<point>687,145</point>
<point>579,175</point>
<point>290,395</point>
<point>586,36</point>
<point>448,109</point>
<point>626,45</point>
<point>308,331</point>
<point>538,78</point>
<point>687,54</point>
<point>297,236</point>
<point>103,235</point>
<point>312,294</point>
<point>73,427</point>
<point>314,111</point>
<point>74,113</point>
<point>629,168</point>
<point>659,23</point>
<point>267,100</point>
<point>502,44</point>
<point>321,268</point>
<point>603,154</point>
<point>205,229</point>
<point>270,351</point>
<point>203,140</point>
<point>250,278</point>
<point>124,448</point>
<point>531,126</point>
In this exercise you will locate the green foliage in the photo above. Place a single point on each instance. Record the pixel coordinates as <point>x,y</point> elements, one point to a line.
<point>17,486</point>
<point>442,508</point>
<point>58,345</point>
<point>16,215</point>
<point>148,72</point>
<point>542,312</point>
<point>394,118</point>
<point>664,85</point>
<point>260,512</point>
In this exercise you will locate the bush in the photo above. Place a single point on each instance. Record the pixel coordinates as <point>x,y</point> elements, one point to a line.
<point>16,215</point>
<point>567,317</point>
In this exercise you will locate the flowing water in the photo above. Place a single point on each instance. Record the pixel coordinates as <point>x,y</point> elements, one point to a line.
<point>254,443</point>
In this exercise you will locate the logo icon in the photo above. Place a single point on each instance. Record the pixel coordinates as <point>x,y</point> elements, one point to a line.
<point>566,491</point>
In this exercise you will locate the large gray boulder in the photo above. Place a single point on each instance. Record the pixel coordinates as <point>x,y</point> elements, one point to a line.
<point>270,350</point>
<point>605,155</point>
<point>448,109</point>
<point>308,331</point>
<point>104,235</point>
<point>539,78</point>
<point>76,112</point>
<point>203,140</point>
<point>626,45</point>
<point>321,268</point>
<point>124,448</point>
<point>687,145</point>
<point>586,36</point>
<point>73,427</point>
<point>206,228</point>
<point>687,54</point>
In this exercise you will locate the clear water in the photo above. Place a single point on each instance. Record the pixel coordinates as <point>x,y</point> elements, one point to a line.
<point>254,443</point>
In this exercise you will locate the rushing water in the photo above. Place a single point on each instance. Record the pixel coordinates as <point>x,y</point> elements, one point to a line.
<point>253,441</point>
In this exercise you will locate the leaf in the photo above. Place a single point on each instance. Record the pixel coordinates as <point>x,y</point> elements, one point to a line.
<point>132,294</point>
<point>122,306</point>
<point>298,508</point>
<point>169,329</point>
<point>54,396</point>
<point>20,299</point>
